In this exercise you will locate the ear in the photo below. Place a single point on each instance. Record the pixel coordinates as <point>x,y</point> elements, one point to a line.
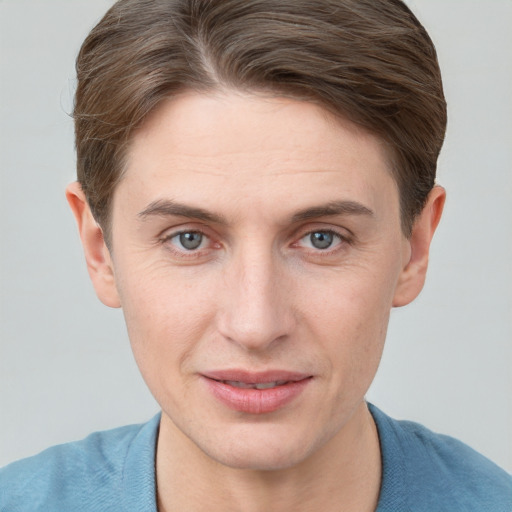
<point>97,255</point>
<point>412,277</point>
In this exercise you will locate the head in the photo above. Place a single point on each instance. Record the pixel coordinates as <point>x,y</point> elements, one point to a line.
<point>370,62</point>
<point>256,192</point>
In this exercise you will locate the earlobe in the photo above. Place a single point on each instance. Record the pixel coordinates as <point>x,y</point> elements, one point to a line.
<point>412,277</point>
<point>97,255</point>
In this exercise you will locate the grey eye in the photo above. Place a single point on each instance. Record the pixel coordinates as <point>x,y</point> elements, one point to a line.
<point>190,240</point>
<point>321,239</point>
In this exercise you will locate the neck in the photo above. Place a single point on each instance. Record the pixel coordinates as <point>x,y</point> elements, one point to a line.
<point>344,474</point>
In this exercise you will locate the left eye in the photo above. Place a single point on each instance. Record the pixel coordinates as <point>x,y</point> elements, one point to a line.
<point>321,240</point>
<point>189,240</point>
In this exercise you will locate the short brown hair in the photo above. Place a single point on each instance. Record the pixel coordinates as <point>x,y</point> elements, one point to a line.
<point>370,61</point>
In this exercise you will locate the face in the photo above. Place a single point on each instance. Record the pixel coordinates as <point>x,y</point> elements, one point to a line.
<point>256,252</point>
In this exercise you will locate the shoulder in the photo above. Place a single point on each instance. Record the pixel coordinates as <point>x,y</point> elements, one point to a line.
<point>438,472</point>
<point>83,475</point>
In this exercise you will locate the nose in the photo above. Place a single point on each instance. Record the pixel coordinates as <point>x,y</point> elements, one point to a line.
<point>256,309</point>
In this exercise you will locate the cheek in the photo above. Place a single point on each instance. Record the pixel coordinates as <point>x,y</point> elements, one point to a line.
<point>166,318</point>
<point>350,319</point>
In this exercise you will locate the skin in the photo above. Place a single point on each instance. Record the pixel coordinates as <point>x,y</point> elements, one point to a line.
<point>258,293</point>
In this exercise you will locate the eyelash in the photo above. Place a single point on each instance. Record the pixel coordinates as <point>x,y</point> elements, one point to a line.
<point>184,253</point>
<point>197,253</point>
<point>343,240</point>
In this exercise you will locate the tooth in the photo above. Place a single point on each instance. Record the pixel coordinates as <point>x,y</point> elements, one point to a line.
<point>266,385</point>
<point>261,385</point>
<point>238,384</point>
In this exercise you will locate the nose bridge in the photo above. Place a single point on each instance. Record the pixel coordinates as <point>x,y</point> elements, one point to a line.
<point>255,311</point>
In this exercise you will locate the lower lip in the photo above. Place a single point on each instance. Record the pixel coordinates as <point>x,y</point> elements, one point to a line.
<point>256,401</point>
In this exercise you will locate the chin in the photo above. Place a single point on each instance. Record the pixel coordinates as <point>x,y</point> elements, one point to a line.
<point>259,459</point>
<point>259,450</point>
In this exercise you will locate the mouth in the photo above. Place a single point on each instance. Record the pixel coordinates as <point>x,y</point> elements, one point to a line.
<point>256,393</point>
<point>261,385</point>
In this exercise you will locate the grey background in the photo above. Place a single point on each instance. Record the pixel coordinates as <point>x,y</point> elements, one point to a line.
<point>65,364</point>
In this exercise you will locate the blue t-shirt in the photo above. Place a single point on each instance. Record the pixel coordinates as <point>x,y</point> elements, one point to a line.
<point>114,471</point>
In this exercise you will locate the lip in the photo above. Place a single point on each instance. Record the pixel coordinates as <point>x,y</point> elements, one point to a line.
<point>256,401</point>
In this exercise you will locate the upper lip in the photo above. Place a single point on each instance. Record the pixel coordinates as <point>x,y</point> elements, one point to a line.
<point>251,377</point>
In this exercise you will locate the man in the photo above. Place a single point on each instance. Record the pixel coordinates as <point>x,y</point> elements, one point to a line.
<point>256,189</point>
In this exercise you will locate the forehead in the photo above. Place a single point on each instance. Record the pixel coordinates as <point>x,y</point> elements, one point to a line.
<point>221,147</point>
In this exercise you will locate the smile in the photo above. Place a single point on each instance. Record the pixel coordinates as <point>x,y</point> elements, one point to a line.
<point>262,385</point>
<point>256,393</point>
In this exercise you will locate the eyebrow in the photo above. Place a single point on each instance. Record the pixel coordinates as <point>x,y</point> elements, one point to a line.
<point>170,208</point>
<point>331,209</point>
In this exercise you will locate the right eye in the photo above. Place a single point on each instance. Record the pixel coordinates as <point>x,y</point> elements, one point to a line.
<point>190,244</point>
<point>188,240</point>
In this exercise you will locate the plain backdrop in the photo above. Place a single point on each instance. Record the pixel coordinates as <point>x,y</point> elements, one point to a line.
<point>65,364</point>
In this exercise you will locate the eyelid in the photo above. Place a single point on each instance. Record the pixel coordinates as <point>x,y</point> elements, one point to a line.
<point>345,236</point>
<point>168,234</point>
<point>343,232</point>
<point>327,231</point>
<point>187,226</point>
<point>204,240</point>
<point>183,227</point>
